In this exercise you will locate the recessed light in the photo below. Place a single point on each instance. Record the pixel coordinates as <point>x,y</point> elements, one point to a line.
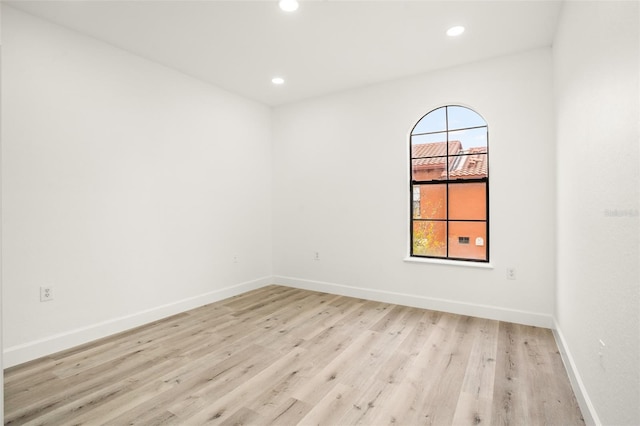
<point>455,31</point>
<point>277,80</point>
<point>288,5</point>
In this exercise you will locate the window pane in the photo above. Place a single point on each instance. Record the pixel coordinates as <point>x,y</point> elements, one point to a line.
<point>428,169</point>
<point>461,118</point>
<point>473,166</point>
<point>468,240</point>
<point>432,201</point>
<point>415,201</point>
<point>428,159</point>
<point>428,145</point>
<point>435,121</point>
<point>468,201</point>
<point>469,139</point>
<point>429,238</point>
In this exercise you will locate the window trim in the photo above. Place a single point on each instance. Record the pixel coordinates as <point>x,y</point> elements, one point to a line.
<point>447,260</point>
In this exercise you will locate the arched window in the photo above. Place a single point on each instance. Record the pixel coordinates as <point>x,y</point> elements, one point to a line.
<point>450,185</point>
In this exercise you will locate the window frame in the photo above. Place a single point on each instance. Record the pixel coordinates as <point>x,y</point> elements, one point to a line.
<point>447,182</point>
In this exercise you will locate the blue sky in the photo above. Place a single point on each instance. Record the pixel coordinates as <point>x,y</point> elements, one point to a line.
<point>459,118</point>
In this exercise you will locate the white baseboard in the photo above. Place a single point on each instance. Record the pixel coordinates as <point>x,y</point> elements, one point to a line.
<point>452,306</point>
<point>588,410</point>
<point>32,350</point>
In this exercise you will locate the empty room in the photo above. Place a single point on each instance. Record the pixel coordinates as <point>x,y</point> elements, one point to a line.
<point>320,212</point>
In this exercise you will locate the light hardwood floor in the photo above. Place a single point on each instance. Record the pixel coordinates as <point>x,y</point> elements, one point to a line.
<point>285,356</point>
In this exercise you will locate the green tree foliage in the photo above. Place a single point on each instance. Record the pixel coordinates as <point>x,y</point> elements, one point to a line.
<point>428,236</point>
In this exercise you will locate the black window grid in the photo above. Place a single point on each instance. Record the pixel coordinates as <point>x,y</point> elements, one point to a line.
<point>448,181</point>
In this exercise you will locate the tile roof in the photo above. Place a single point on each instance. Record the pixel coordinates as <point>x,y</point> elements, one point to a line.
<point>470,163</point>
<point>434,152</point>
<point>475,164</point>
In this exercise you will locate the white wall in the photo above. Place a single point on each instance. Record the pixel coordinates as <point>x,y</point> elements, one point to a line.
<point>596,70</point>
<point>340,189</point>
<point>127,186</point>
<point>1,345</point>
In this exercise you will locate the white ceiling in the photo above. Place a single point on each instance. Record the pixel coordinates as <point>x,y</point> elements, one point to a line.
<point>324,47</point>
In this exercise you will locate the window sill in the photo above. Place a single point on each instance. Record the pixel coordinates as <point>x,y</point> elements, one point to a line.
<point>479,265</point>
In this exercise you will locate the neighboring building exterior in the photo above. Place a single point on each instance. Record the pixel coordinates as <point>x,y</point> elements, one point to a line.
<point>463,201</point>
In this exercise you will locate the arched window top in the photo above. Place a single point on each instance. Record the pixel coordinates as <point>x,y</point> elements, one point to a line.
<point>449,185</point>
<point>453,117</point>
<point>451,123</point>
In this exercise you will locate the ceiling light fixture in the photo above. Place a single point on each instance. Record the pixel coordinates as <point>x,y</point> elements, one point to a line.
<point>455,31</point>
<point>288,5</point>
<point>277,80</point>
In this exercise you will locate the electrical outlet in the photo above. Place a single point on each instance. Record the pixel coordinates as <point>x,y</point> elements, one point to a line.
<point>46,293</point>
<point>511,273</point>
<point>235,258</point>
<point>316,256</point>
<point>601,351</point>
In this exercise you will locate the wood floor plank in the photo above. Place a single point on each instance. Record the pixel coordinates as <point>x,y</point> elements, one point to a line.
<point>438,404</point>
<point>510,386</point>
<point>368,403</point>
<point>315,389</point>
<point>286,356</point>
<point>422,374</point>
<point>222,405</point>
<point>331,407</point>
<point>474,404</point>
<point>244,416</point>
<point>290,412</point>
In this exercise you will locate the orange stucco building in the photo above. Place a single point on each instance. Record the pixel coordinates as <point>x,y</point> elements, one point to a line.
<point>460,198</point>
